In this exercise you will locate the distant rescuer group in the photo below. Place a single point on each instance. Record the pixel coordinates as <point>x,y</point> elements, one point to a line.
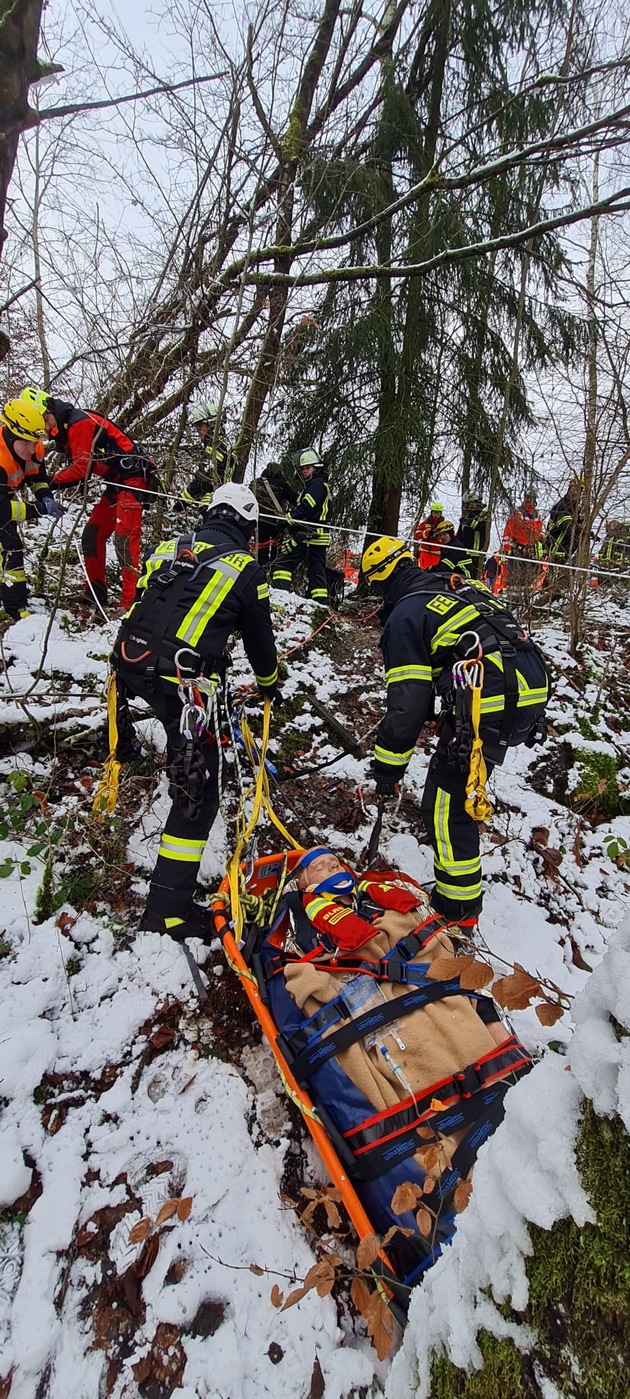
<point>445,634</point>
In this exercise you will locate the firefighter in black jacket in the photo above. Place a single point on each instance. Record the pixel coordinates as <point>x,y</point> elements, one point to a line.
<point>219,463</point>
<point>432,624</point>
<point>308,537</point>
<point>472,534</point>
<point>195,592</point>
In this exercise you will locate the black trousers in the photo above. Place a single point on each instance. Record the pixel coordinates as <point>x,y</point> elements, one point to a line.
<point>291,554</point>
<point>13,594</point>
<point>183,839</point>
<point>454,836</point>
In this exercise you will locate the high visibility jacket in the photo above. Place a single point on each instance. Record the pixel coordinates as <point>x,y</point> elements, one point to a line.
<point>425,620</point>
<point>523,534</point>
<point>91,442</point>
<point>218,467</point>
<point>350,928</point>
<point>230,594</point>
<point>312,509</point>
<point>14,474</point>
<point>472,531</point>
<point>615,551</point>
<point>564,528</point>
<point>432,538</point>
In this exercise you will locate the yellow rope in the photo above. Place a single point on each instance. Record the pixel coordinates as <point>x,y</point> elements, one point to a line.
<point>107,791</point>
<point>477,803</point>
<point>245,830</point>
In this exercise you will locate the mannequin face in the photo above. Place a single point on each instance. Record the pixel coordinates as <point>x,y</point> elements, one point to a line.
<point>319,869</point>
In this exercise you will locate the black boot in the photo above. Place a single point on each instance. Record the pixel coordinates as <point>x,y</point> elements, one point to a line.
<point>198,923</point>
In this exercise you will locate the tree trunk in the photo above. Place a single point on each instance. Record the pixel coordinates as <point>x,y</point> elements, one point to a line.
<point>19,34</point>
<point>579,581</point>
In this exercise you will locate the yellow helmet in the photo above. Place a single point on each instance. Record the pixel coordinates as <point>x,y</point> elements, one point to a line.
<point>381,557</point>
<point>38,397</point>
<point>24,420</point>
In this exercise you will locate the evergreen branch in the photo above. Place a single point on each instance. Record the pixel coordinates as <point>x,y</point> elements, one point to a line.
<point>610,205</point>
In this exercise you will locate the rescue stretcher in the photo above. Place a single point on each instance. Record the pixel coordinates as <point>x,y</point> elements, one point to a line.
<point>366,1154</point>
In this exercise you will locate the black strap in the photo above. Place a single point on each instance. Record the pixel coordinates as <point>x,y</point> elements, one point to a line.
<point>158,606</point>
<point>310,1056</point>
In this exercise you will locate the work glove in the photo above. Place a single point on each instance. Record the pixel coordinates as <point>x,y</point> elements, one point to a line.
<point>387,785</point>
<point>275,695</point>
<point>50,506</point>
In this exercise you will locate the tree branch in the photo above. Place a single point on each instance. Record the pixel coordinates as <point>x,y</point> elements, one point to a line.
<point>71,108</point>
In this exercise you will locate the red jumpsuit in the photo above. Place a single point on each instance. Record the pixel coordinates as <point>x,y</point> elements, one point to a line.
<point>96,446</point>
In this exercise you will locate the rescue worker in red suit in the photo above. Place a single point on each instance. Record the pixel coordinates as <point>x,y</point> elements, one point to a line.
<point>94,446</point>
<point>432,534</point>
<point>21,464</point>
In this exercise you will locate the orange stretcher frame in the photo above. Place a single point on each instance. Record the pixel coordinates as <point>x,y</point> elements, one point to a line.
<point>262,879</point>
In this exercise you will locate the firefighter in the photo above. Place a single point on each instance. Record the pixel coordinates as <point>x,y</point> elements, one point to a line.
<point>562,538</point>
<point>307,538</point>
<point>22,433</point>
<point>195,592</point>
<point>275,496</point>
<point>218,461</point>
<point>522,539</point>
<point>94,446</point>
<point>432,534</point>
<point>614,554</point>
<point>472,534</point>
<point>432,623</point>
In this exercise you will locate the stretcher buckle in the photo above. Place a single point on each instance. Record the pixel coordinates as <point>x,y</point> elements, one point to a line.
<point>468,1081</point>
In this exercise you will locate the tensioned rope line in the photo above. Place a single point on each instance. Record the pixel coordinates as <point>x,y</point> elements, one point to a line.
<point>378,534</point>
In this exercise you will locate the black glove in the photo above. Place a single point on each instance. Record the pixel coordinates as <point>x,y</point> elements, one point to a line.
<point>32,511</point>
<point>386,784</point>
<point>49,506</point>
<point>275,695</point>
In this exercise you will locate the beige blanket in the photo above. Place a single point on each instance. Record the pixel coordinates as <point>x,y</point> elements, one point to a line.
<point>439,1039</point>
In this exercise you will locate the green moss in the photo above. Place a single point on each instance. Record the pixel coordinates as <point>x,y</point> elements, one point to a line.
<point>586,728</point>
<point>579,1293</point>
<point>597,790</point>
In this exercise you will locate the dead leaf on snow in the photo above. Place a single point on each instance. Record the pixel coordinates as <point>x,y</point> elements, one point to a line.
<point>548,1014</point>
<point>368,1250</point>
<point>276,1297</point>
<point>166,1211</point>
<point>140,1231</point>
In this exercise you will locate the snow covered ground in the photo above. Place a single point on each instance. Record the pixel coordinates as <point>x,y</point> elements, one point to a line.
<point>148,1157</point>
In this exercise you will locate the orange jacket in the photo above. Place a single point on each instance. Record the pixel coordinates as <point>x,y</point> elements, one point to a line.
<point>433,537</point>
<point>522,531</point>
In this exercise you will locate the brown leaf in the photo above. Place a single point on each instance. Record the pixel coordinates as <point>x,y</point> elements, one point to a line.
<point>578,849</point>
<point>446,967</point>
<point>318,1387</point>
<point>548,1014</point>
<point>429,1157</point>
<point>552,858</point>
<point>332,1213</point>
<point>258,1272</point>
<point>424,1220</point>
<point>166,1211</point>
<point>540,835</point>
<point>576,956</point>
<point>380,1325</point>
<point>361,1295</point>
<point>276,1297</point>
<point>148,1256</point>
<point>426,1133</point>
<point>368,1250</point>
<point>140,1231</point>
<point>476,976</point>
<point>163,1036</point>
<point>308,1193</point>
<point>5,1384</point>
<point>461,1196</point>
<point>64,921</point>
<point>405,1197</point>
<point>184,1206</point>
<point>516,991</point>
<point>293,1297</point>
<point>397,1229</point>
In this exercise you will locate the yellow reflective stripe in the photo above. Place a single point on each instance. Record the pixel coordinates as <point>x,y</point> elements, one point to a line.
<point>459,867</point>
<point>226,572</point>
<point>173,922</point>
<point>268,679</point>
<point>458,891</point>
<point>281,573</point>
<point>399,673</point>
<point>262,591</point>
<point>442,833</point>
<point>176,848</point>
<point>13,575</point>
<point>319,592</point>
<point>18,511</point>
<point>383,755</point>
<point>451,631</point>
<point>316,905</point>
<point>311,500</point>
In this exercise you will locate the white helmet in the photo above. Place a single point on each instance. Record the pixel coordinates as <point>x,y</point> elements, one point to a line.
<point>235,499</point>
<point>203,413</point>
<point>309,457</point>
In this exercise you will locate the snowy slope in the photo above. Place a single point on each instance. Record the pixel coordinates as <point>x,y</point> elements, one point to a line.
<point>120,1093</point>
